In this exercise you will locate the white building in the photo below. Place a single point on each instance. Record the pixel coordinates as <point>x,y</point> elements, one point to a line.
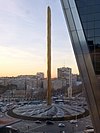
<point>55,83</point>
<point>65,73</point>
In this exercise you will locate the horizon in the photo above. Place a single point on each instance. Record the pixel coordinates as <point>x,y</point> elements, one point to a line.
<point>32,74</point>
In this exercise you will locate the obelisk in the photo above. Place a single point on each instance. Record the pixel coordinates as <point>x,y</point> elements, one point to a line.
<point>48,55</point>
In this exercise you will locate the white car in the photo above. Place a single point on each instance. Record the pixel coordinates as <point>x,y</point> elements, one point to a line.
<point>61,125</point>
<point>73,121</point>
<point>89,131</point>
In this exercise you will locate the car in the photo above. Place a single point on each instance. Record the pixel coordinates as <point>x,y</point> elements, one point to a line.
<point>61,125</point>
<point>8,129</point>
<point>89,127</point>
<point>35,102</point>
<point>20,103</point>
<point>62,132</point>
<point>73,121</point>
<point>49,122</point>
<point>89,131</point>
<point>38,122</point>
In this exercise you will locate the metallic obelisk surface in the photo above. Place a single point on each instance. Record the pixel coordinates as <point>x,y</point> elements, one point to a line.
<point>48,56</point>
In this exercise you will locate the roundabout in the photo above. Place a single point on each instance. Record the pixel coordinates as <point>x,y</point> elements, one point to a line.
<point>55,112</point>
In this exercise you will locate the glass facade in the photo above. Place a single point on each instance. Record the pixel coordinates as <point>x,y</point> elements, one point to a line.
<point>89,12</point>
<point>83,22</point>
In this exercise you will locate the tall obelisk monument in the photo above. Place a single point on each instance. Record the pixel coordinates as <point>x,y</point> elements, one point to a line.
<point>48,55</point>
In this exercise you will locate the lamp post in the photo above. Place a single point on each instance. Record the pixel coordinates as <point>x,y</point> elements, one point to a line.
<point>25,89</point>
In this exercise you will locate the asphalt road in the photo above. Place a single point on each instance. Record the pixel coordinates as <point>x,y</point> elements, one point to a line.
<point>55,129</point>
<point>31,127</point>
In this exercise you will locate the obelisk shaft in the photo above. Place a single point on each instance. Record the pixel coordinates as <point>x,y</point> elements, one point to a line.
<point>48,56</point>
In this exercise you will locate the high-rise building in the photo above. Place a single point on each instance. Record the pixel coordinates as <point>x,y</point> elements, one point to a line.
<point>40,75</point>
<point>65,73</point>
<point>83,21</point>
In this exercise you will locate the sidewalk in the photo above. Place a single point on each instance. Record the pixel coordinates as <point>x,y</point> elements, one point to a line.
<point>6,120</point>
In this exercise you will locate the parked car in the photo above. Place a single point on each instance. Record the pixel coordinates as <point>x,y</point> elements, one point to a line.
<point>36,102</point>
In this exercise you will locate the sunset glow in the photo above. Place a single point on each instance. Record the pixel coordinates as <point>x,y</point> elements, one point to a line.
<point>23,38</point>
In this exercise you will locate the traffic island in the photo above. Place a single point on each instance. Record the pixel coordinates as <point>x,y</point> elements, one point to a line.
<point>53,112</point>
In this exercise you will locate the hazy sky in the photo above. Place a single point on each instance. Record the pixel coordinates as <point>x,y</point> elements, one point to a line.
<point>23,37</point>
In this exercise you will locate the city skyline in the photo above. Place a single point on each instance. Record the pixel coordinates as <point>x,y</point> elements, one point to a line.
<point>23,38</point>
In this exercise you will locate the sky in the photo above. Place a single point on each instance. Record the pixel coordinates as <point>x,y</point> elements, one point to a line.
<point>23,38</point>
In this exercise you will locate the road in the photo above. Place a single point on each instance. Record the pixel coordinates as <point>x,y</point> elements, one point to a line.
<point>32,127</point>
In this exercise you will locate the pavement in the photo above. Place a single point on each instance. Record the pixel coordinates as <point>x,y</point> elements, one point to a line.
<point>7,120</point>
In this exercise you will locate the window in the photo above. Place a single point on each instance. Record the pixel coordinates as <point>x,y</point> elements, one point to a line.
<point>97,32</point>
<point>97,24</point>
<point>90,33</point>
